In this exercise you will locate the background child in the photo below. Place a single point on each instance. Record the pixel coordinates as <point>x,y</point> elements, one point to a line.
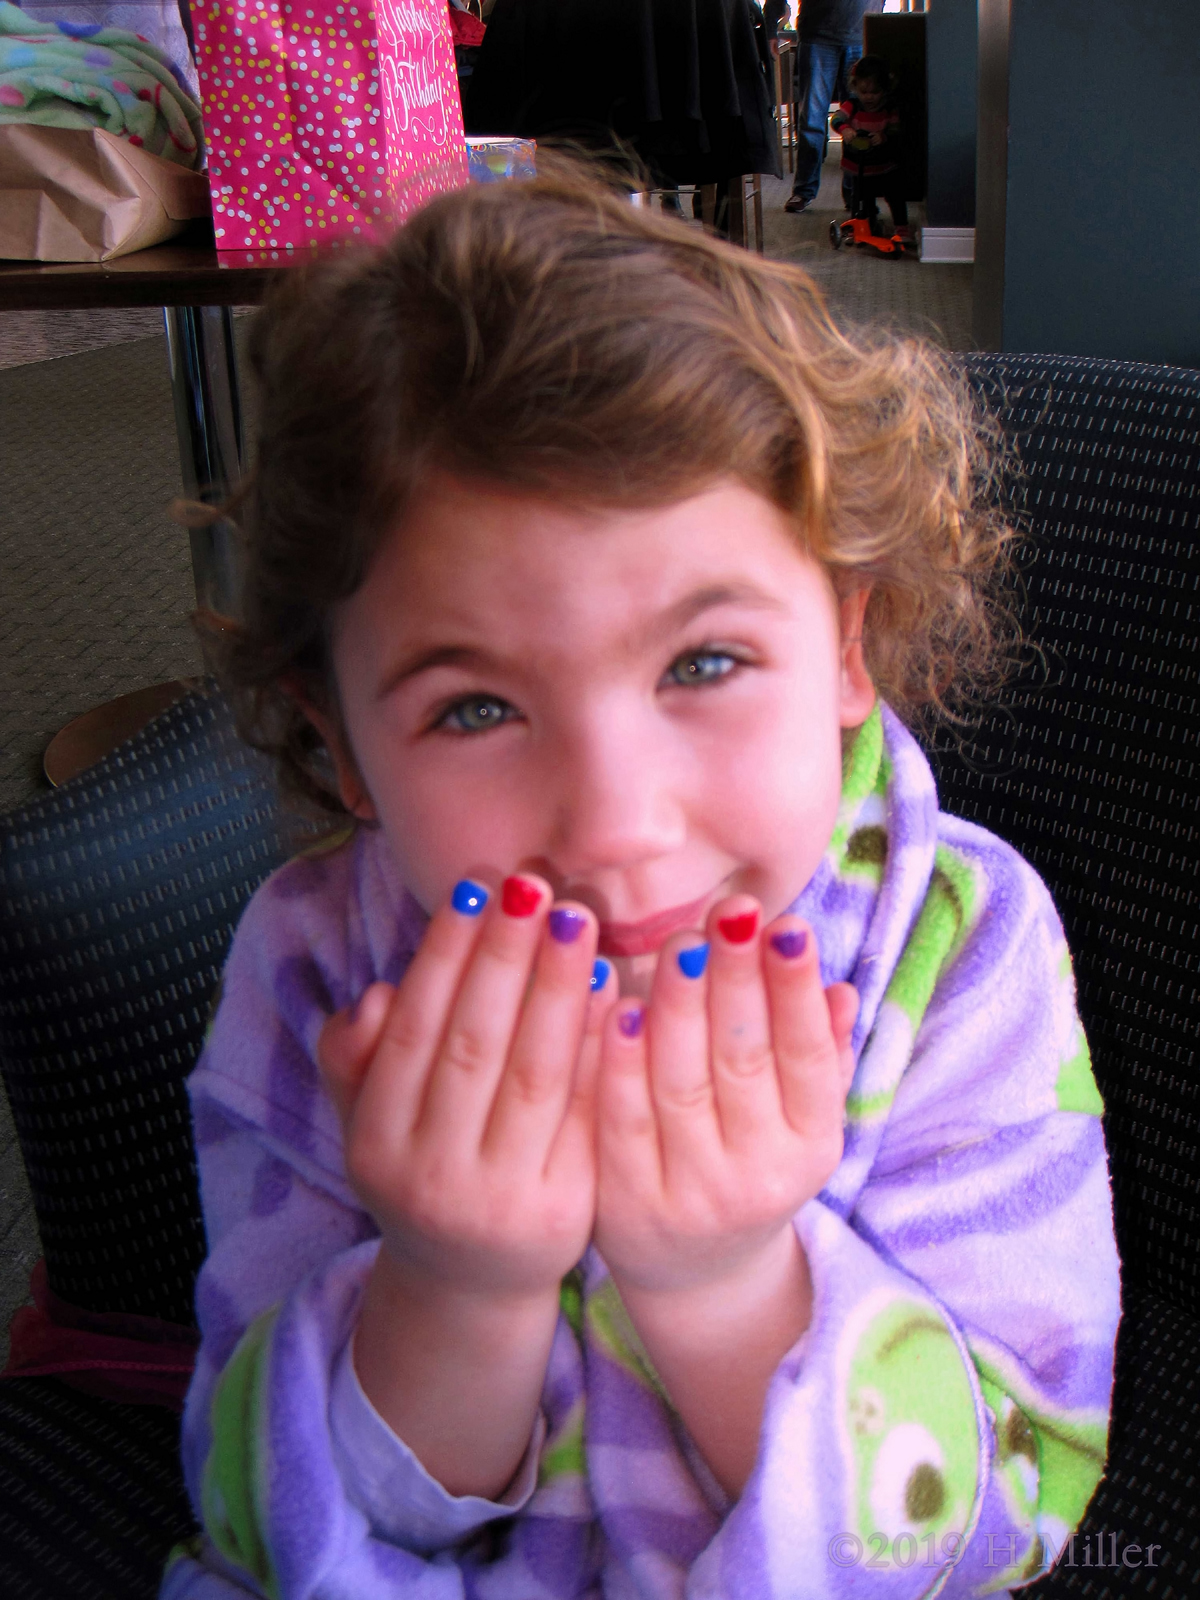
<point>870,130</point>
<point>775,1239</point>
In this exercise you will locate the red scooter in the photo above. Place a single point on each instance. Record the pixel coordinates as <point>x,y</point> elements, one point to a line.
<point>859,226</point>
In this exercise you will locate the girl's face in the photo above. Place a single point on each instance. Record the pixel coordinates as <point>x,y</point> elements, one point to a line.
<point>645,707</point>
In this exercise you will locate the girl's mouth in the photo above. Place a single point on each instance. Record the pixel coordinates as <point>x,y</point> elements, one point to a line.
<point>640,938</point>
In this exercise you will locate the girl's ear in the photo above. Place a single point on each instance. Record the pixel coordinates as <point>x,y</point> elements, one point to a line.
<point>857,690</point>
<point>352,791</point>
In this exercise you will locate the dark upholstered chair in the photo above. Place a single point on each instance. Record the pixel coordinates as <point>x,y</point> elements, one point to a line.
<point>118,895</point>
<point>1091,768</point>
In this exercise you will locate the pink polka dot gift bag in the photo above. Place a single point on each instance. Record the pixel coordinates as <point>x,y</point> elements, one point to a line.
<point>325,121</point>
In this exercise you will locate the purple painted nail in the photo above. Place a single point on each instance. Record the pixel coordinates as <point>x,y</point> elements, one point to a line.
<point>566,925</point>
<point>630,1022</point>
<point>791,943</point>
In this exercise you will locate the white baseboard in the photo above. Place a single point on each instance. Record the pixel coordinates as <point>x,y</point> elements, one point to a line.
<point>947,244</point>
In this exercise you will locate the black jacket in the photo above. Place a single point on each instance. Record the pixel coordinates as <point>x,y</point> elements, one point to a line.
<point>683,81</point>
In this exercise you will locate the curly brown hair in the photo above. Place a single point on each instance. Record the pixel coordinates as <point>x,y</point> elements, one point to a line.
<point>550,336</point>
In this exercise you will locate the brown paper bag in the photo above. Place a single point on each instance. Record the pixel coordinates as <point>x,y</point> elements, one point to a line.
<point>80,194</point>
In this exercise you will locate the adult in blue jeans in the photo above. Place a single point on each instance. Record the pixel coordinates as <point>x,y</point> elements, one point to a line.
<point>831,41</point>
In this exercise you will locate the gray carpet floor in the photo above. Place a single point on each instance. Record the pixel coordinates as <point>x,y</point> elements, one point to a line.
<point>905,295</point>
<point>95,578</point>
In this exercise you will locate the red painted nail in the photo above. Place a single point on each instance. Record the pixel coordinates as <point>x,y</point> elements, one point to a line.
<point>739,930</point>
<point>519,897</point>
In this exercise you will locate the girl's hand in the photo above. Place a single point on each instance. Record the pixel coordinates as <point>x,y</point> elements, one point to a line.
<point>720,1105</point>
<point>466,1094</point>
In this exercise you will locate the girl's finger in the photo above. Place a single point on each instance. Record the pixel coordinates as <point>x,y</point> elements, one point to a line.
<point>627,1138</point>
<point>480,1031</point>
<point>681,1080</point>
<point>535,1089</point>
<point>806,1052</point>
<point>842,1000</point>
<point>602,997</point>
<point>743,1058</point>
<point>416,1021</point>
<point>348,1042</point>
<point>574,1149</point>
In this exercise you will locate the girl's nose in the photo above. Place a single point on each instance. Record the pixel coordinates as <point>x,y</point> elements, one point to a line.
<point>619,799</point>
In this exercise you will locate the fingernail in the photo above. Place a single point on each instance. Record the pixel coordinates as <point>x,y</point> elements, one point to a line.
<point>600,972</point>
<point>791,943</point>
<point>519,897</point>
<point>630,1022</point>
<point>693,962</point>
<point>566,925</point>
<point>740,929</point>
<point>469,897</point>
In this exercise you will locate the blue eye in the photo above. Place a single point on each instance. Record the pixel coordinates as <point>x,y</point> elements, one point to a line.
<point>476,714</point>
<point>701,667</point>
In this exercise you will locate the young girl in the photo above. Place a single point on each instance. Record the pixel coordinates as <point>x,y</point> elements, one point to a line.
<point>869,126</point>
<point>655,1153</point>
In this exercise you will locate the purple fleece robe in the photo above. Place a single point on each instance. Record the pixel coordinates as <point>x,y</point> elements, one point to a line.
<point>938,1429</point>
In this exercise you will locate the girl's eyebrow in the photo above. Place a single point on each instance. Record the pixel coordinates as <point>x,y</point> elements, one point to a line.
<point>670,620</point>
<point>707,598</point>
<point>440,655</point>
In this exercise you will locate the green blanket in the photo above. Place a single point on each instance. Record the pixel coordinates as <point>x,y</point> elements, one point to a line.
<point>77,75</point>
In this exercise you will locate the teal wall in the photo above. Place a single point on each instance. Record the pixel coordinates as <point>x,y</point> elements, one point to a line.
<point>951,61</point>
<point>1102,216</point>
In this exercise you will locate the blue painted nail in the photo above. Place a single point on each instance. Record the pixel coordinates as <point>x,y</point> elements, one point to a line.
<point>469,897</point>
<point>693,962</point>
<point>792,942</point>
<point>600,972</point>
<point>566,925</point>
<point>630,1022</point>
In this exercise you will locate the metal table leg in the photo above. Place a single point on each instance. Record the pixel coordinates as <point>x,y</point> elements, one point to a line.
<point>208,419</point>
